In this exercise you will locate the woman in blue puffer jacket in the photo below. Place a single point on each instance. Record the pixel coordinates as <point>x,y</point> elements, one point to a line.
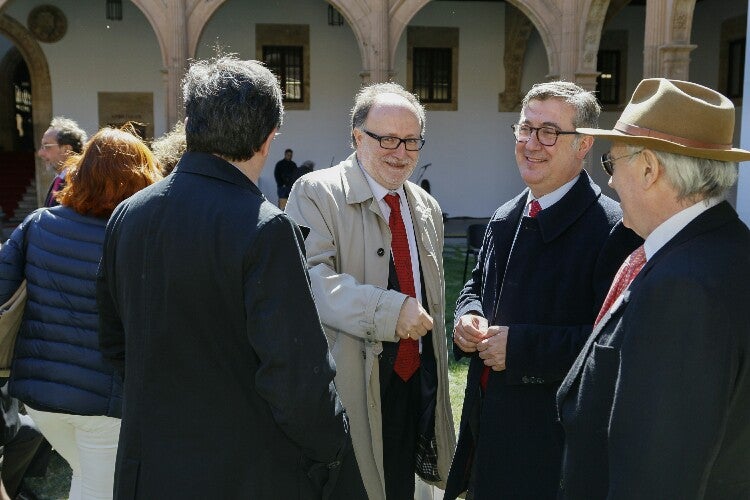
<point>69,389</point>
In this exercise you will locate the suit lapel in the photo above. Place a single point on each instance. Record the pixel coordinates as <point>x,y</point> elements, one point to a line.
<point>712,218</point>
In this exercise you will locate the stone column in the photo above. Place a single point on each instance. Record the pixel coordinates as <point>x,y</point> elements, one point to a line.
<point>378,55</point>
<point>667,47</point>
<point>743,186</point>
<point>177,56</point>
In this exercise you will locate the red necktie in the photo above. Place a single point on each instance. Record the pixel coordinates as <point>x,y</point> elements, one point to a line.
<point>407,358</point>
<point>534,209</point>
<point>625,275</point>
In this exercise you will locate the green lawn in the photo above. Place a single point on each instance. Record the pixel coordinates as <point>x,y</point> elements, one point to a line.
<point>453,260</point>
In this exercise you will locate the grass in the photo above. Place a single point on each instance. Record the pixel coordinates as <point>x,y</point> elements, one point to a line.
<point>56,483</point>
<point>453,262</point>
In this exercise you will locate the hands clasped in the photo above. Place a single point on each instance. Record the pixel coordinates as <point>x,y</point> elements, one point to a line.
<point>472,334</point>
<point>413,320</point>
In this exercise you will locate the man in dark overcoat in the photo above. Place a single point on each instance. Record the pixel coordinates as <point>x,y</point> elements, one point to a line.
<point>657,405</point>
<point>206,308</point>
<point>546,262</point>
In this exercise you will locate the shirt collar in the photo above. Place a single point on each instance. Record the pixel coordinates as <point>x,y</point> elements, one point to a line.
<point>670,227</point>
<point>550,199</point>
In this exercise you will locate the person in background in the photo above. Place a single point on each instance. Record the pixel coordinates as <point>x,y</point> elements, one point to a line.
<point>657,405</point>
<point>285,174</point>
<point>543,270</point>
<point>62,139</point>
<point>70,391</point>
<point>168,149</point>
<point>375,258</point>
<point>206,308</point>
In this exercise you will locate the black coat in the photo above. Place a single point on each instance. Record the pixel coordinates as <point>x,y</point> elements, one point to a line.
<point>205,305</point>
<point>560,269</point>
<point>657,405</point>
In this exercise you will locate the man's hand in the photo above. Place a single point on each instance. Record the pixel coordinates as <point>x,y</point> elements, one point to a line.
<point>469,331</point>
<point>494,348</point>
<point>413,320</point>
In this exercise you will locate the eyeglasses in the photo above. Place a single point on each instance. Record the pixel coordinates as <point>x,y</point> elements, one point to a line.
<point>547,136</point>
<point>49,145</point>
<point>608,163</point>
<point>389,142</point>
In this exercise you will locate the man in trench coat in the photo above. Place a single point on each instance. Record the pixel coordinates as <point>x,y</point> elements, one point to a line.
<point>399,426</point>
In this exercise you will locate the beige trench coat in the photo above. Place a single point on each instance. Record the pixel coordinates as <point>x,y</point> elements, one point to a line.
<point>348,251</point>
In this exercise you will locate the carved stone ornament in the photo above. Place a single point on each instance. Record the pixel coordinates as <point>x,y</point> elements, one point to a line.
<point>47,23</point>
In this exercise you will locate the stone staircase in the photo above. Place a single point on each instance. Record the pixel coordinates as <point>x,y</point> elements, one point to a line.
<point>26,205</point>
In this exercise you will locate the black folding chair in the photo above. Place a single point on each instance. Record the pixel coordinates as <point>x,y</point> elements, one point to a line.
<point>474,236</point>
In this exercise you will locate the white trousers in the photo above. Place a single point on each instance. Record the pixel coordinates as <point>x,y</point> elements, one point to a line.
<point>88,444</point>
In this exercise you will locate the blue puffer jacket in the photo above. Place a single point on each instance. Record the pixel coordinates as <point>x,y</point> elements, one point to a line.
<point>57,365</point>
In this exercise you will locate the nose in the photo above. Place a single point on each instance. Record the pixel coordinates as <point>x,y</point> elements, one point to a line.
<point>400,151</point>
<point>533,142</point>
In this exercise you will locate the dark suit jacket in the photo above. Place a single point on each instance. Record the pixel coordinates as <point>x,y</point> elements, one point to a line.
<point>657,405</point>
<point>557,276</point>
<point>206,307</point>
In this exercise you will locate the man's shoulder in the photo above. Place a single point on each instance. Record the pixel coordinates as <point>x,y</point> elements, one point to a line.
<point>509,206</point>
<point>326,179</point>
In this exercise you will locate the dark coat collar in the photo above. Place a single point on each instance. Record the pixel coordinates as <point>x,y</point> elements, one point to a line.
<point>555,220</point>
<point>210,165</point>
<point>707,221</point>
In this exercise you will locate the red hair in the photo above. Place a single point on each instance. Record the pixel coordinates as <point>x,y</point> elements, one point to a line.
<point>113,166</point>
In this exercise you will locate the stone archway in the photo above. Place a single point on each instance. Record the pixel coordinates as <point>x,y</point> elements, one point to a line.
<point>41,87</point>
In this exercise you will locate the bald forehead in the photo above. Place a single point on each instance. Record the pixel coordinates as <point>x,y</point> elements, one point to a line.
<point>395,101</point>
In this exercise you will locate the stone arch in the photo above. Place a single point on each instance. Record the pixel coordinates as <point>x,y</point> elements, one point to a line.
<point>545,16</point>
<point>198,15</point>
<point>358,15</point>
<point>591,33</point>
<point>41,85</point>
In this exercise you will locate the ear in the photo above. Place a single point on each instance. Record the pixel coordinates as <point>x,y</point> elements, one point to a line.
<point>357,133</point>
<point>585,144</point>
<point>651,170</point>
<point>265,148</point>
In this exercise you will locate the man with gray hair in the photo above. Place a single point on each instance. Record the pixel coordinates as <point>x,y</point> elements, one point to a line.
<point>657,405</point>
<point>205,307</point>
<point>62,139</point>
<point>547,259</point>
<point>375,258</point>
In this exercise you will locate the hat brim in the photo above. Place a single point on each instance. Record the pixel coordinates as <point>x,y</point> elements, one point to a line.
<point>733,154</point>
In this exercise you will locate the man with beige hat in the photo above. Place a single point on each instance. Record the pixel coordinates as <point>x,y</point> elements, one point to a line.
<point>657,405</point>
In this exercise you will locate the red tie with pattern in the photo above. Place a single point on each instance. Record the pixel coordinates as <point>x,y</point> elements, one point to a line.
<point>625,275</point>
<point>534,209</point>
<point>407,358</point>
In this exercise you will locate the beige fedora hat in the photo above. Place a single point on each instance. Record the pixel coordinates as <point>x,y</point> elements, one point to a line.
<point>677,117</point>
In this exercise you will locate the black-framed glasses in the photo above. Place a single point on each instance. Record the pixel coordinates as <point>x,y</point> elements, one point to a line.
<point>390,142</point>
<point>608,163</point>
<point>547,136</point>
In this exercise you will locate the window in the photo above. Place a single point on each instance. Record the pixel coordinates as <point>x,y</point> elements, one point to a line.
<point>432,66</point>
<point>608,82</point>
<point>285,49</point>
<point>612,65</point>
<point>432,74</point>
<point>732,58</point>
<point>735,75</point>
<point>286,64</point>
